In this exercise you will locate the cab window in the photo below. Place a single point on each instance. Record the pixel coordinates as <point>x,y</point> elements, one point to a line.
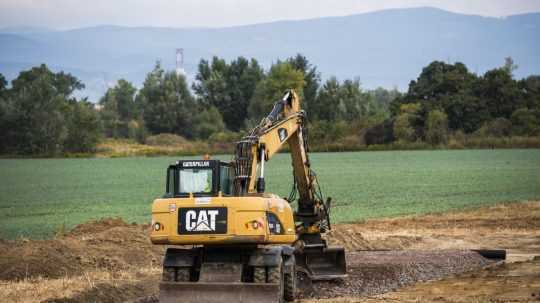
<point>225,183</point>
<point>195,181</point>
<point>170,181</point>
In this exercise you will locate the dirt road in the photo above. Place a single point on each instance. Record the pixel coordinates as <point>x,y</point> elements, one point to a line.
<point>111,261</point>
<point>424,275</point>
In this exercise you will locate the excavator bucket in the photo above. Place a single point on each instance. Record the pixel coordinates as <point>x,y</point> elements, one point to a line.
<point>207,292</point>
<point>326,263</point>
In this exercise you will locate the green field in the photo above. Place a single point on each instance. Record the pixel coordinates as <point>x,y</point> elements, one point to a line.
<point>41,196</point>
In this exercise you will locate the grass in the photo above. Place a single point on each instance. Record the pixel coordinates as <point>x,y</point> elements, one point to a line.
<point>39,197</point>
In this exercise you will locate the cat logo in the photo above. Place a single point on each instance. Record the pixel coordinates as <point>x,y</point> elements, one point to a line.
<point>202,220</point>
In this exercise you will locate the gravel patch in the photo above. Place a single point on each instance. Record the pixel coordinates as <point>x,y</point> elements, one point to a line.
<point>377,272</point>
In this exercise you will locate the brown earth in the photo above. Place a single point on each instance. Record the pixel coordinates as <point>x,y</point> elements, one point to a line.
<point>428,261</point>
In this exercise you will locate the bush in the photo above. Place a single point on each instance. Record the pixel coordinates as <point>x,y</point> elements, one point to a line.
<point>457,140</point>
<point>225,137</point>
<point>382,133</point>
<point>437,128</point>
<point>497,128</point>
<point>325,132</point>
<point>83,129</point>
<point>207,122</point>
<point>137,131</point>
<point>406,123</point>
<point>166,140</point>
<point>525,122</point>
<point>403,130</point>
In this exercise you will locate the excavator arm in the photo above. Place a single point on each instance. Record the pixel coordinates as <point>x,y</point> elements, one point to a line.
<point>286,125</point>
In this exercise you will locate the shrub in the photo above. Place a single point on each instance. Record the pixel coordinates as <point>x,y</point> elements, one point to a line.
<point>406,121</point>
<point>381,133</point>
<point>525,122</point>
<point>403,130</point>
<point>137,131</point>
<point>207,122</point>
<point>457,140</point>
<point>497,128</point>
<point>166,140</point>
<point>437,128</point>
<point>325,132</point>
<point>225,137</point>
<point>83,129</point>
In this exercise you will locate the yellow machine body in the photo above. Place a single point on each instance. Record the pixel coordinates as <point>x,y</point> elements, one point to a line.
<point>247,220</point>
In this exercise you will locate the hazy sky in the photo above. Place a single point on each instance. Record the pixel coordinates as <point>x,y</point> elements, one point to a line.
<point>64,14</point>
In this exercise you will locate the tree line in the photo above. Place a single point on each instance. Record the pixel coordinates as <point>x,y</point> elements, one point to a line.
<point>448,100</point>
<point>39,115</point>
<point>228,98</point>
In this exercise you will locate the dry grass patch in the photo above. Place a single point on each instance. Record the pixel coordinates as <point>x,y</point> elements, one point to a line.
<point>127,285</point>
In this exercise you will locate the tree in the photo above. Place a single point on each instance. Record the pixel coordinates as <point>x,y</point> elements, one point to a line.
<point>509,66</point>
<point>449,88</point>
<point>530,88</point>
<point>466,111</point>
<point>167,104</point>
<point>500,127</point>
<point>282,76</point>
<point>39,103</point>
<point>6,115</point>
<point>312,79</point>
<point>326,132</point>
<point>384,97</point>
<point>381,133</point>
<point>228,87</point>
<point>83,128</point>
<point>207,122</point>
<point>437,128</point>
<point>342,101</point>
<point>3,84</point>
<point>124,93</point>
<point>119,109</point>
<point>525,122</point>
<point>404,129</point>
<point>500,92</point>
<point>42,117</point>
<point>326,104</point>
<point>354,103</point>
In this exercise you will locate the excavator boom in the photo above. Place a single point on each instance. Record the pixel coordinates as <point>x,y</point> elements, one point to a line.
<point>286,125</point>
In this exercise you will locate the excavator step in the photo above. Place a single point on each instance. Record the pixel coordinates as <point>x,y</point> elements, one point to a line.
<point>207,292</point>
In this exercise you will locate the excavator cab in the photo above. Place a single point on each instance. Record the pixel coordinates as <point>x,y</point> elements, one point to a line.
<point>200,178</point>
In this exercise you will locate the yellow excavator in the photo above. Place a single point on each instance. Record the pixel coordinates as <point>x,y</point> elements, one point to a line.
<point>229,240</point>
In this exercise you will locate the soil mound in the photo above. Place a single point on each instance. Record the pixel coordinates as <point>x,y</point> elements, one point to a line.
<point>97,226</point>
<point>108,244</point>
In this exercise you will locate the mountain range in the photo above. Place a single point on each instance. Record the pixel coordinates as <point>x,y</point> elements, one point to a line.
<point>385,48</point>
